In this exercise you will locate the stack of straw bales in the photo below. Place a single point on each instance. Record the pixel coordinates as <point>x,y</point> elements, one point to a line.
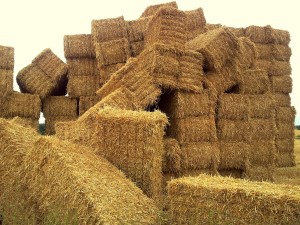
<point>42,177</point>
<point>131,140</point>
<point>274,57</point>
<point>57,109</point>
<point>218,200</point>
<point>45,76</point>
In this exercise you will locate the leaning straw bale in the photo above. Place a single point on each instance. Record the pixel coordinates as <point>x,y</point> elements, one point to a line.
<point>233,106</point>
<point>60,106</point>
<point>285,130</point>
<point>234,155</point>
<point>7,57</point>
<point>200,155</point>
<point>168,26</point>
<point>196,23</point>
<point>282,84</point>
<point>112,52</point>
<point>279,68</point>
<point>83,85</point>
<point>50,122</point>
<point>233,130</point>
<point>86,102</point>
<point>261,106</point>
<point>193,129</point>
<point>220,200</point>
<point>82,67</point>
<point>152,9</point>
<point>262,129</point>
<point>286,159</point>
<point>171,162</point>
<point>254,82</point>
<point>217,47</point>
<point>6,83</point>
<point>136,48</point>
<point>108,29</point>
<point>107,71</point>
<point>285,114</point>
<point>79,46</point>
<point>137,28</point>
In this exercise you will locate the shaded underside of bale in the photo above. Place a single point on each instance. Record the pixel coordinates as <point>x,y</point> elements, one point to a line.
<point>86,102</point>
<point>83,85</point>
<point>217,47</point>
<point>7,57</point>
<point>152,9</point>
<point>60,106</point>
<point>254,82</point>
<point>51,121</point>
<point>171,162</point>
<point>82,67</point>
<point>79,46</point>
<point>286,114</point>
<point>203,199</point>
<point>282,84</point>
<point>262,106</point>
<point>196,23</point>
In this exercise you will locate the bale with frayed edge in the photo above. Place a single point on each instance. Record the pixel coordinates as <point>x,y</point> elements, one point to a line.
<point>7,54</point>
<point>79,46</point>
<point>282,84</point>
<point>152,9</point>
<point>171,162</point>
<point>261,106</point>
<point>82,67</point>
<point>254,82</point>
<point>54,106</point>
<point>196,23</point>
<point>217,47</point>
<point>83,85</point>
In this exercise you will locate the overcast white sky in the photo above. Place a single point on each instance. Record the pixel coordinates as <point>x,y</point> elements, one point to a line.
<point>33,25</point>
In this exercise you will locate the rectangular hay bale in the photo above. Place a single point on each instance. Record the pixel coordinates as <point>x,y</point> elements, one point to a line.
<point>59,106</point>
<point>82,67</point>
<point>262,106</point>
<point>171,162</point>
<point>286,159</point>
<point>262,153</point>
<point>79,46</point>
<point>195,22</point>
<point>262,129</point>
<point>282,100</point>
<point>51,121</point>
<point>285,114</point>
<point>282,84</point>
<point>137,28</point>
<point>285,130</point>
<point>254,82</point>
<point>107,71</point>
<point>233,130</point>
<point>86,102</point>
<point>285,145</point>
<point>6,83</point>
<point>7,57</point>
<point>83,85</point>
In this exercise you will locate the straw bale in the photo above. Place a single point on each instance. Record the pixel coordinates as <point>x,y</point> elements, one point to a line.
<point>7,57</point>
<point>217,47</point>
<point>286,159</point>
<point>201,155</point>
<point>6,82</point>
<point>136,29</point>
<point>82,67</point>
<point>239,32</point>
<point>220,200</point>
<point>54,106</point>
<point>262,153</point>
<point>247,54</point>
<point>168,26</point>
<point>180,104</point>
<point>254,82</point>
<point>220,82</point>
<point>263,65</point>
<point>262,129</point>
<point>285,130</point>
<point>171,162</point>
<point>285,114</point>
<point>265,51</point>
<point>233,130</point>
<point>108,29</point>
<point>262,106</point>
<point>285,145</point>
<point>191,76</point>
<point>195,22</point>
<point>281,37</point>
<point>112,52</point>
<point>137,47</point>
<point>86,102</point>
<point>233,106</point>
<point>193,129</point>
<point>281,52</point>
<point>131,140</point>
<point>50,122</point>
<point>282,84</point>
<point>210,26</point>
<point>22,105</point>
<point>279,68</point>
<point>234,155</point>
<point>260,173</point>
<point>107,71</point>
<point>83,85</point>
<point>153,9</point>
<point>282,99</point>
<point>79,46</point>
<point>26,122</point>
<point>53,66</point>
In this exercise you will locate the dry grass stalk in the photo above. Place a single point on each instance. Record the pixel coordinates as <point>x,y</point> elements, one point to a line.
<point>136,47</point>
<point>7,57</point>
<point>234,155</point>
<point>233,130</point>
<point>279,68</point>
<point>79,46</point>
<point>254,82</point>
<point>153,9</point>
<point>107,71</point>
<point>171,162</point>
<point>286,159</point>
<point>56,106</point>
<point>285,130</point>
<point>136,29</point>
<point>285,114</point>
<point>196,23</point>
<point>262,153</point>
<point>200,155</point>
<point>220,200</point>
<point>112,52</point>
<point>86,102</point>
<point>168,26</point>
<point>285,145</point>
<point>6,83</point>
<point>282,84</point>
<point>233,106</point>
<point>262,129</point>
<point>50,122</point>
<point>262,106</point>
<point>131,140</point>
<point>217,47</point>
<point>83,85</point>
<point>82,67</point>
<point>193,129</point>
<point>260,173</point>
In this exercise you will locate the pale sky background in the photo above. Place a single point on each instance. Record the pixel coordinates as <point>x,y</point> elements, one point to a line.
<point>33,25</point>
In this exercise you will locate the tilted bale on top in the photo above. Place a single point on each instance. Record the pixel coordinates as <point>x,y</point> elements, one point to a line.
<point>203,199</point>
<point>196,23</point>
<point>66,180</point>
<point>152,9</point>
<point>46,75</point>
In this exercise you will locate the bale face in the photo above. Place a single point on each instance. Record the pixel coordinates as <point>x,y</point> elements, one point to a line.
<point>262,106</point>
<point>107,71</point>
<point>51,121</point>
<point>282,99</point>
<point>285,114</point>
<point>86,102</point>
<point>262,129</point>
<point>6,82</point>
<point>285,145</point>
<point>280,68</point>
<point>205,199</point>
<point>233,130</point>
<point>83,85</point>
<point>286,159</point>
<point>7,58</point>
<point>79,46</point>
<point>196,23</point>
<point>82,67</point>
<point>273,52</point>
<point>137,28</point>
<point>284,130</point>
<point>152,9</point>
<point>136,48</point>
<point>282,84</point>
<point>246,54</point>
<point>262,153</point>
<point>60,106</point>
<point>171,162</point>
